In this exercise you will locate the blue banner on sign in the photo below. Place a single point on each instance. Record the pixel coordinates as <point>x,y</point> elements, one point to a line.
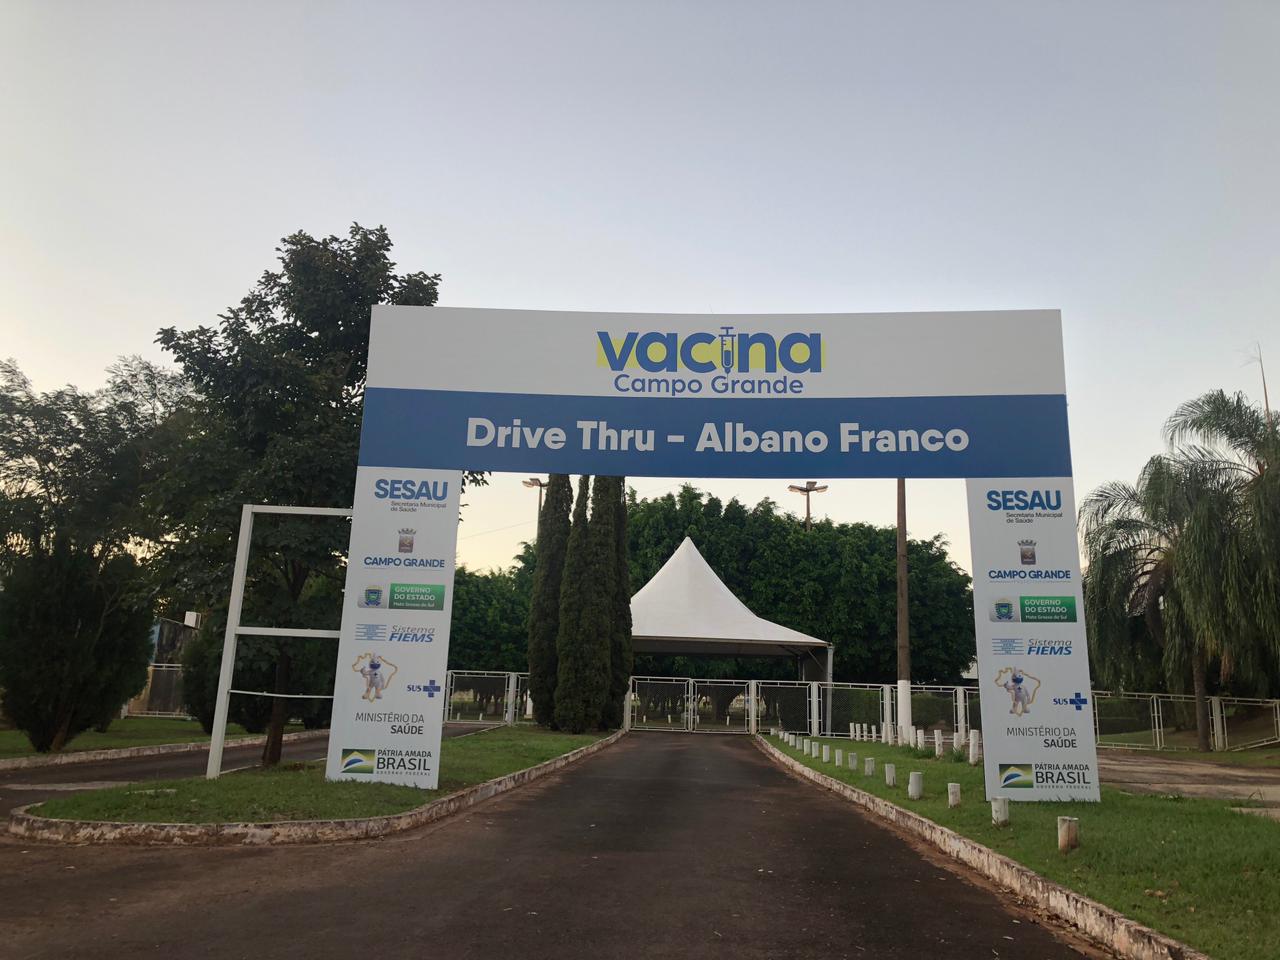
<point>989,436</point>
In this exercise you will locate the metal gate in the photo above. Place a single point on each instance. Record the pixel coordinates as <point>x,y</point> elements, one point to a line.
<point>661,703</point>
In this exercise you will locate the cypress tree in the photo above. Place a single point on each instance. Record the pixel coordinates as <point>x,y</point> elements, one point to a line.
<point>621,657</point>
<point>582,647</point>
<point>544,603</point>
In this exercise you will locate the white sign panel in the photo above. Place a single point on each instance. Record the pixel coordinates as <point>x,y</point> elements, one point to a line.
<point>1033,662</point>
<point>393,652</point>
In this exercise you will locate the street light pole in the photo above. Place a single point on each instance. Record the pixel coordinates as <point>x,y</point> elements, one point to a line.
<point>810,487</point>
<point>539,483</point>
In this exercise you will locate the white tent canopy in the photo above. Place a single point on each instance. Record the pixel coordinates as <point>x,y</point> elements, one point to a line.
<point>686,609</point>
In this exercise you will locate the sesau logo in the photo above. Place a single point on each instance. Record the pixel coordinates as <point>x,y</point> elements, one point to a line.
<point>728,351</point>
<point>1021,501</point>
<point>385,488</point>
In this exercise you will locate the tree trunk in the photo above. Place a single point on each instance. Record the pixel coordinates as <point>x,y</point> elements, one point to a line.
<point>60,738</point>
<point>279,714</point>
<point>1201,688</point>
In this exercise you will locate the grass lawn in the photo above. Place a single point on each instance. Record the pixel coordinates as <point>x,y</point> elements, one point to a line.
<point>1192,869</point>
<point>300,792</point>
<point>128,732</point>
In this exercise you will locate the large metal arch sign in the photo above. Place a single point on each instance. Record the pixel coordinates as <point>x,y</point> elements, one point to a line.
<point>975,395</point>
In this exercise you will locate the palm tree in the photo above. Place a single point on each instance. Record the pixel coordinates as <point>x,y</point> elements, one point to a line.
<point>1241,441</point>
<point>1162,562</point>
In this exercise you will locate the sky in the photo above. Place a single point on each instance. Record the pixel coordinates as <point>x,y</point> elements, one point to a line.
<point>1116,161</point>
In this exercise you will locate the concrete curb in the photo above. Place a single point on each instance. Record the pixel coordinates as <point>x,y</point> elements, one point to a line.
<point>29,826</point>
<point>1127,938</point>
<point>155,750</point>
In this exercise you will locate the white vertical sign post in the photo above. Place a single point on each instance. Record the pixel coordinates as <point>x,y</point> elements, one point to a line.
<point>1033,662</point>
<point>393,650</point>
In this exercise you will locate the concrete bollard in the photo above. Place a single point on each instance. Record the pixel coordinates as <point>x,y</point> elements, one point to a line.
<point>957,741</point>
<point>869,766</point>
<point>826,753</point>
<point>873,732</point>
<point>668,719</point>
<point>839,757</point>
<point>890,735</point>
<point>999,811</point>
<point>890,775</point>
<point>853,762</point>
<point>813,749</point>
<point>953,794</point>
<point>1068,834</point>
<point>804,746</point>
<point>915,785</point>
<point>937,743</point>
<point>975,747</point>
<point>920,735</point>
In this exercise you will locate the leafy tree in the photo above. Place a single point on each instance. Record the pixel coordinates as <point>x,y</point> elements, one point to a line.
<point>72,464</point>
<point>71,470</point>
<point>582,644</point>
<point>275,419</point>
<point>544,602</point>
<point>489,630</point>
<point>74,641</point>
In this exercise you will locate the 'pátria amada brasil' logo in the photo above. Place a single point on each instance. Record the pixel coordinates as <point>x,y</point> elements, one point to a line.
<point>720,363</point>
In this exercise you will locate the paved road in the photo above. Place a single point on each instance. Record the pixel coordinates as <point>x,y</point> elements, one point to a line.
<point>20,787</point>
<point>664,846</point>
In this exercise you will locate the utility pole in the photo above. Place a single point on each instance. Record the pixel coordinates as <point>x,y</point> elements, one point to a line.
<point>904,622</point>
<point>811,487</point>
<point>539,483</point>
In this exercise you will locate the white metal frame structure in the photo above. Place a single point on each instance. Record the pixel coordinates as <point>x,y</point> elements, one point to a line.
<point>235,629</point>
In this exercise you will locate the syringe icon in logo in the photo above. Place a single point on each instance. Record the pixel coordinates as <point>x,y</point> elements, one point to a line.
<point>726,349</point>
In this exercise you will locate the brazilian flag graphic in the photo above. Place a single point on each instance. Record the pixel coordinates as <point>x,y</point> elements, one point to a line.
<point>1016,775</point>
<point>357,761</point>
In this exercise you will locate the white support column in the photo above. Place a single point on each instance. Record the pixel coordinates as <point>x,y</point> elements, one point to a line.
<point>904,707</point>
<point>513,686</point>
<point>962,712</point>
<point>223,704</point>
<point>815,716</point>
<point>1218,723</point>
<point>753,691</point>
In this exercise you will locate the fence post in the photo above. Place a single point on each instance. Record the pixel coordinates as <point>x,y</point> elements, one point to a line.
<point>815,712</point>
<point>1218,723</point>
<point>886,711</point>
<point>753,719</point>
